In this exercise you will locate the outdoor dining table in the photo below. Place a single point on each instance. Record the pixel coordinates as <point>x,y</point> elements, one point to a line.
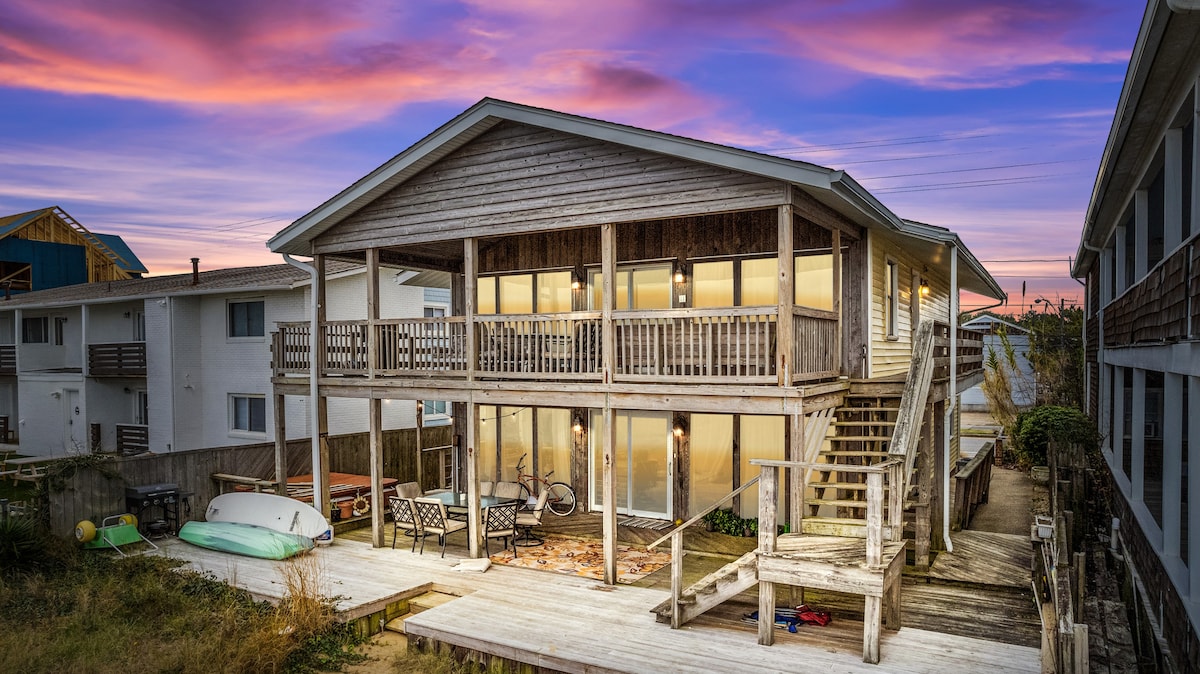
<point>459,500</point>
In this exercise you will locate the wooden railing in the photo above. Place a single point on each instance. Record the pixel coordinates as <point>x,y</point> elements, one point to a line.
<point>117,359</point>
<point>907,432</point>
<point>421,346</point>
<point>816,346</point>
<point>971,486</point>
<point>970,352</point>
<point>133,438</point>
<point>542,346</point>
<point>682,345</point>
<point>1156,309</point>
<point>696,345</point>
<point>8,358</point>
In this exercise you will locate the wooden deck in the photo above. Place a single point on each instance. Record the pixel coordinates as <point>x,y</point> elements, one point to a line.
<point>574,624</point>
<point>986,558</point>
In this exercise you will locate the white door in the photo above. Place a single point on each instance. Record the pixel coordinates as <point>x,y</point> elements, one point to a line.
<point>73,435</point>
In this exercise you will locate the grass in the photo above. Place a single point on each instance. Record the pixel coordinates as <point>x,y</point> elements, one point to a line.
<point>66,610</point>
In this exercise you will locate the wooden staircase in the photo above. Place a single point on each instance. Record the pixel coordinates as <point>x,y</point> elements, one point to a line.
<point>712,590</point>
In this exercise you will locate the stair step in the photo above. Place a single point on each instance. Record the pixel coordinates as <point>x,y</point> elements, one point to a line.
<point>860,438</point>
<point>429,600</point>
<point>397,624</point>
<point>855,486</point>
<point>881,422</point>
<point>841,503</point>
<point>852,452</point>
<point>852,408</point>
<point>835,526</point>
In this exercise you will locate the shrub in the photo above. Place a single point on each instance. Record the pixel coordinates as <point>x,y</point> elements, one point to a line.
<point>1038,427</point>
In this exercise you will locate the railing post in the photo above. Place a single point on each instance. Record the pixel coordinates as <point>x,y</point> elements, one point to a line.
<point>768,486</point>
<point>874,518</point>
<point>676,578</point>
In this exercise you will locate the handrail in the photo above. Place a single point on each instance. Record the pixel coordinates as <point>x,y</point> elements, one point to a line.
<point>907,431</point>
<point>706,511</point>
<point>880,467</point>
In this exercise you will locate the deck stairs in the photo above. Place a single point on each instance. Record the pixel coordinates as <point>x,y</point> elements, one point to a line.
<point>418,604</point>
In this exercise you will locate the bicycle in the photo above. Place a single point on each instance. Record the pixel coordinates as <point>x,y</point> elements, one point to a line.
<point>561,500</point>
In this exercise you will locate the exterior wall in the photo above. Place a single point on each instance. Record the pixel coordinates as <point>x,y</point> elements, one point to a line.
<point>973,399</point>
<point>527,179</point>
<point>159,374</point>
<point>110,401</point>
<point>42,426</point>
<point>110,322</point>
<point>48,355</point>
<point>187,403</point>
<point>890,356</point>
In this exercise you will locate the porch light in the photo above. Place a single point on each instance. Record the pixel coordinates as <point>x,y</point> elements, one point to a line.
<point>678,272</point>
<point>576,281</point>
<point>924,288</point>
<point>678,431</point>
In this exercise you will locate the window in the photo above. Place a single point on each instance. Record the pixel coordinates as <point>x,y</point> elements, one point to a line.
<point>436,408</point>
<point>141,408</point>
<point>435,312</point>
<point>60,326</point>
<point>757,282</point>
<point>542,292</point>
<point>139,326</point>
<point>891,298</point>
<point>246,319</point>
<point>248,413</point>
<point>34,330</point>
<point>637,287</point>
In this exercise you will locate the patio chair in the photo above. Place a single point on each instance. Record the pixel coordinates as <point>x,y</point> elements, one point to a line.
<point>507,490</point>
<point>485,488</point>
<point>409,490</point>
<point>403,518</point>
<point>431,513</point>
<point>527,520</point>
<point>500,521</point>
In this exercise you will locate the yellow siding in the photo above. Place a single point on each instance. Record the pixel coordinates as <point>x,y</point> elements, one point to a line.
<point>892,356</point>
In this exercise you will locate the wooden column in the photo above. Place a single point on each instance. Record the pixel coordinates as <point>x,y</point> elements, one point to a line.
<point>787,295</point>
<point>473,509</point>
<point>321,472</point>
<point>608,499</point>
<point>281,471</point>
<point>420,459</point>
<point>372,310</point>
<point>922,528</point>
<point>836,247</point>
<point>940,475</point>
<point>378,507</point>
<point>608,266</point>
<point>768,494</point>
<point>796,476</point>
<point>470,296</point>
<point>579,459</point>
<point>682,462</point>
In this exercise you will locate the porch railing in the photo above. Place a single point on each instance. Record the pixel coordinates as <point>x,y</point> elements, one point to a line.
<point>290,345</point>
<point>968,351</point>
<point>696,344</point>
<point>815,346</point>
<point>133,438</point>
<point>417,346</point>
<point>117,359</point>
<point>542,346</point>
<point>8,358</point>
<point>345,347</point>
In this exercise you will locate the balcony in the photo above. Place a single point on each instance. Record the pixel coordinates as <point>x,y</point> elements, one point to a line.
<point>1163,307</point>
<point>669,346</point>
<point>133,439</point>
<point>117,359</point>
<point>8,358</point>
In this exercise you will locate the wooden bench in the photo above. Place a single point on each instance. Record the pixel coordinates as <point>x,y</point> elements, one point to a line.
<point>871,567</point>
<point>258,484</point>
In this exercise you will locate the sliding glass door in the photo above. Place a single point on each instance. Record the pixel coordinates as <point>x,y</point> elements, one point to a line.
<point>641,463</point>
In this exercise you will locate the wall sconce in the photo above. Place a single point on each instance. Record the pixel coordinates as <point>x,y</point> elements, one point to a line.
<point>127,390</point>
<point>577,424</point>
<point>924,289</point>
<point>678,431</point>
<point>56,394</point>
<point>679,272</point>
<point>576,280</point>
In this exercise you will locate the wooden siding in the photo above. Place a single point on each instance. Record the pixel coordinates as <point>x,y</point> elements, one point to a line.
<point>891,356</point>
<point>517,178</point>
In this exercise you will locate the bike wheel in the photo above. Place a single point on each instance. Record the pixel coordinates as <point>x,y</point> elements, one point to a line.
<point>525,497</point>
<point>562,499</point>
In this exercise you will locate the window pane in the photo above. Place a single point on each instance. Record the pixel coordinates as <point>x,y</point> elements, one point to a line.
<point>516,294</point>
<point>762,437</point>
<point>516,438</point>
<point>814,281</point>
<point>486,293</point>
<point>652,288</point>
<point>487,443</point>
<point>596,290</point>
<point>241,414</point>
<point>258,414</point>
<point>246,319</point>
<point>712,284</point>
<point>760,284</point>
<point>711,459</point>
<point>554,292</point>
<point>555,443</point>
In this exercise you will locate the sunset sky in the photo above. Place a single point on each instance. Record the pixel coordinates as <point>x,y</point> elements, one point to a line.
<point>200,128</point>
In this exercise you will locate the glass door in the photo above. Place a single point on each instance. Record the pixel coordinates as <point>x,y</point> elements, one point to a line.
<point>641,463</point>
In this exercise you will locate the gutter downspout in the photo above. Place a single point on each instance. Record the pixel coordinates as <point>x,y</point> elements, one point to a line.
<point>313,364</point>
<point>950,410</point>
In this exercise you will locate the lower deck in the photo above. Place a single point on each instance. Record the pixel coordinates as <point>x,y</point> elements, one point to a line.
<point>568,623</point>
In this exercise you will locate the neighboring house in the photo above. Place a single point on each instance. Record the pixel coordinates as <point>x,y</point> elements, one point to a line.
<point>171,363</point>
<point>47,248</point>
<point>1140,256</point>
<point>1024,390</point>
<point>645,314</point>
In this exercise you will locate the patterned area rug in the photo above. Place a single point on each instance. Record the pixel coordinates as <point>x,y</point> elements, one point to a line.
<point>584,558</point>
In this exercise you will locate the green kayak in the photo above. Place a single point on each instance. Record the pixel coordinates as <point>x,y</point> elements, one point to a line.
<point>245,539</point>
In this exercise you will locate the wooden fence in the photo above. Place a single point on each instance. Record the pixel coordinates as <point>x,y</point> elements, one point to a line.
<point>94,494</point>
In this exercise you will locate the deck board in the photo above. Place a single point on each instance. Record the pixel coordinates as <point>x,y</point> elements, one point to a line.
<point>986,558</point>
<point>575,624</point>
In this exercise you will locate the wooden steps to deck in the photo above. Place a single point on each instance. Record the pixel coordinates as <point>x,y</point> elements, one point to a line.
<point>418,604</point>
<point>717,587</point>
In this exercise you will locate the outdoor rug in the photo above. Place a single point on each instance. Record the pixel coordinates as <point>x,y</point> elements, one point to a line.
<point>584,558</point>
<point>645,523</point>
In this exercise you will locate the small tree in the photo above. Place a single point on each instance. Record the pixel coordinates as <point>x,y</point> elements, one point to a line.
<point>1001,377</point>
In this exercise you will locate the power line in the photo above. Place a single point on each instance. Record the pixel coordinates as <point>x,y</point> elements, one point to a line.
<point>970,170</point>
<point>885,142</point>
<point>992,182</point>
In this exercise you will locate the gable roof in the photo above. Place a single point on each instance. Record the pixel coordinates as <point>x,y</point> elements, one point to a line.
<point>128,261</point>
<point>992,322</point>
<point>110,246</point>
<point>237,279</point>
<point>834,188</point>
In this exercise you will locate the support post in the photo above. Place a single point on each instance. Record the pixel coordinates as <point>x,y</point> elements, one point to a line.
<point>378,506</point>
<point>796,476</point>
<point>784,327</point>
<point>372,311</point>
<point>768,492</point>
<point>608,499</point>
<point>608,266</point>
<point>470,296</point>
<point>281,471</point>
<point>473,510</point>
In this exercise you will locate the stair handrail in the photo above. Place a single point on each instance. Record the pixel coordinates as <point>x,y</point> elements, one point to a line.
<point>906,433</point>
<point>753,481</point>
<point>676,536</point>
